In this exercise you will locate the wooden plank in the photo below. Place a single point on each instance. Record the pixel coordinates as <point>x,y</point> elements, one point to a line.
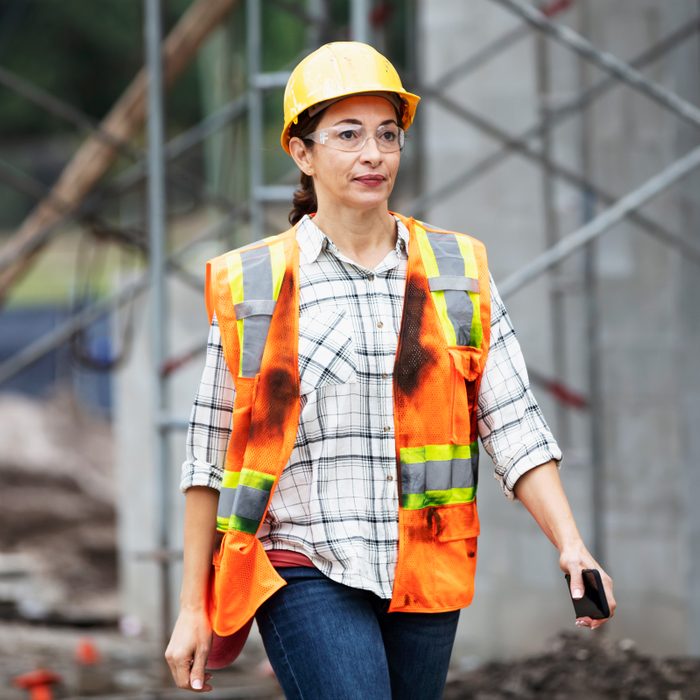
<point>95,156</point>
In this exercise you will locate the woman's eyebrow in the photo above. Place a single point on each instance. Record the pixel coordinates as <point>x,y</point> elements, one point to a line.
<point>357,121</point>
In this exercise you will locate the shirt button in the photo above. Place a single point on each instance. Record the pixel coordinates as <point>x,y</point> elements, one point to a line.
<point>380,324</point>
<point>386,428</point>
<point>370,276</point>
<point>390,478</point>
<point>385,375</point>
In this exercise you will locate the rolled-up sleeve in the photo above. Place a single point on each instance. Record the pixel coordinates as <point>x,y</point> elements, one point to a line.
<point>512,428</point>
<point>210,420</point>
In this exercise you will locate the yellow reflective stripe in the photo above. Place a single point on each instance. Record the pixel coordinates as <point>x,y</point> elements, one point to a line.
<point>471,269</point>
<point>434,453</point>
<point>258,480</point>
<point>235,283</point>
<point>221,523</point>
<point>278,264</point>
<point>416,501</point>
<point>467,250</point>
<point>431,270</point>
<point>426,252</point>
<point>247,477</point>
<point>230,480</point>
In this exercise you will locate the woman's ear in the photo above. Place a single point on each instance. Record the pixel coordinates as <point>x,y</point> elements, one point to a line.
<point>302,154</point>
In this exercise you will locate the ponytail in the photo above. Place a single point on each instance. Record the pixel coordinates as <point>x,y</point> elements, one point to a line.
<point>304,201</point>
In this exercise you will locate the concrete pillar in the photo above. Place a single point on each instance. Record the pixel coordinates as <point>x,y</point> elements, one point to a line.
<point>648,294</point>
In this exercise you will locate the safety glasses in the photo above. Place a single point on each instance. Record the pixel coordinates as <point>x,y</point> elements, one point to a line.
<point>353,137</point>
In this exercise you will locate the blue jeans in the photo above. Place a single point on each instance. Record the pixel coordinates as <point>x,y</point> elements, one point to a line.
<point>327,641</point>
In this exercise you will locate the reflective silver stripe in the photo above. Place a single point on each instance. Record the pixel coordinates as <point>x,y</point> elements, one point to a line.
<point>250,502</point>
<point>257,285</point>
<point>437,475</point>
<point>226,497</point>
<point>475,466</point>
<point>468,284</point>
<point>413,478</point>
<point>460,309</point>
<point>255,307</point>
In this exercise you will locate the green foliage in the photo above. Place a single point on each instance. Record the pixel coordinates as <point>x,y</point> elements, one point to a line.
<point>85,52</point>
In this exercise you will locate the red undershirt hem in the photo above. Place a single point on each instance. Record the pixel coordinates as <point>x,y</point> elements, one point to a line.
<point>280,558</point>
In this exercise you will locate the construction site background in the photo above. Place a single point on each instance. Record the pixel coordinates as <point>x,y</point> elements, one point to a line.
<point>564,134</point>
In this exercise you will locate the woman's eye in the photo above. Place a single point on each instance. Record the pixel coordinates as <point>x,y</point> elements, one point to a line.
<point>390,136</point>
<point>347,134</point>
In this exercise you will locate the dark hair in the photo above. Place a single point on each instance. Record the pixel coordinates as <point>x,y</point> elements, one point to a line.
<point>304,200</point>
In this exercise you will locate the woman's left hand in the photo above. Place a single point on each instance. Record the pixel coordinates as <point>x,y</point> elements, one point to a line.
<point>572,560</point>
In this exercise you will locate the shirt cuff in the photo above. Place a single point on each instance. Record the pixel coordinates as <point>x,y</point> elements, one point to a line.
<point>522,463</point>
<point>196,473</point>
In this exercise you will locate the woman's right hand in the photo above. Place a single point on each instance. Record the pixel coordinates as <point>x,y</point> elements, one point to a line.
<point>188,650</point>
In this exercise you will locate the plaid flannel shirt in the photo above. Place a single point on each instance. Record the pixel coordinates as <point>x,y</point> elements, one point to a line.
<point>337,498</point>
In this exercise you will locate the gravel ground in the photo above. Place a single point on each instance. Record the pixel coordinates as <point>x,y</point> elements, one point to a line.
<point>583,666</point>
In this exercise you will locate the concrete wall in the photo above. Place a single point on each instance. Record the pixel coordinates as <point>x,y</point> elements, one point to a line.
<point>135,473</point>
<point>647,294</point>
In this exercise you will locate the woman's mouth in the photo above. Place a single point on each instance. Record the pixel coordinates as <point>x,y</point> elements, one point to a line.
<point>371,180</point>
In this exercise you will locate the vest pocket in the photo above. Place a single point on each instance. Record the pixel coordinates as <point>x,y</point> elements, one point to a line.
<point>454,522</point>
<point>326,350</point>
<point>466,360</point>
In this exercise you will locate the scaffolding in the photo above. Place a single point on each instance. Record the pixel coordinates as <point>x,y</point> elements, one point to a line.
<point>534,143</point>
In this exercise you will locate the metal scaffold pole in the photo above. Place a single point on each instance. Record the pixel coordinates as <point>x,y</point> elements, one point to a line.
<point>359,20</point>
<point>591,290</point>
<point>609,63</point>
<point>552,234</point>
<point>158,296</point>
<point>255,117</point>
<point>598,226</point>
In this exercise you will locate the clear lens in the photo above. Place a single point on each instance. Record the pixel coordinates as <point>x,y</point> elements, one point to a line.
<point>352,137</point>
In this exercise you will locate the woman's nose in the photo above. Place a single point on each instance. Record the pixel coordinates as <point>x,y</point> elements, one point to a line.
<point>370,150</point>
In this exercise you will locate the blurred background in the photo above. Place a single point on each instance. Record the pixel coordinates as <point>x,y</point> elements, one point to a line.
<point>565,134</point>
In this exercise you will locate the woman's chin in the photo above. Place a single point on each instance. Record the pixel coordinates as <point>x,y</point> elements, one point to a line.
<point>367,200</point>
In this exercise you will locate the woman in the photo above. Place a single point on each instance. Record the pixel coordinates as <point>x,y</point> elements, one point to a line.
<point>357,357</point>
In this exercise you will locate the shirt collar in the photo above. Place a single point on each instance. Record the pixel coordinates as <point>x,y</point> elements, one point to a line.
<point>312,240</point>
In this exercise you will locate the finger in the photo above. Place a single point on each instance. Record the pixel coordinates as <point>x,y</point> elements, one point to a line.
<point>183,673</point>
<point>196,677</point>
<point>576,582</point>
<point>180,669</point>
<point>180,663</point>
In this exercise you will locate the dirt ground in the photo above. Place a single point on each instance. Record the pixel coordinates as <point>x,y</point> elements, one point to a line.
<point>582,666</point>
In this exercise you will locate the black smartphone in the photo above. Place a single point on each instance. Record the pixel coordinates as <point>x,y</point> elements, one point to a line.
<point>594,603</point>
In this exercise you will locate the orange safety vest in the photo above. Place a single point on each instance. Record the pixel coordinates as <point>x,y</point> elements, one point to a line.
<point>441,353</point>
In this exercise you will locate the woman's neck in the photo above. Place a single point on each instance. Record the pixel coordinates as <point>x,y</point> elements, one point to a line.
<point>363,236</point>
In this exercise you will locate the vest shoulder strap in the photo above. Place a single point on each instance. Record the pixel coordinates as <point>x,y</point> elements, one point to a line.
<point>458,278</point>
<point>242,287</point>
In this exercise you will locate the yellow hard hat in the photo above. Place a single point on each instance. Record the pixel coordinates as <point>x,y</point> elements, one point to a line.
<point>337,70</point>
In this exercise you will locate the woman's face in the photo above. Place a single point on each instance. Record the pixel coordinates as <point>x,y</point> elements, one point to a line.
<point>357,179</point>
